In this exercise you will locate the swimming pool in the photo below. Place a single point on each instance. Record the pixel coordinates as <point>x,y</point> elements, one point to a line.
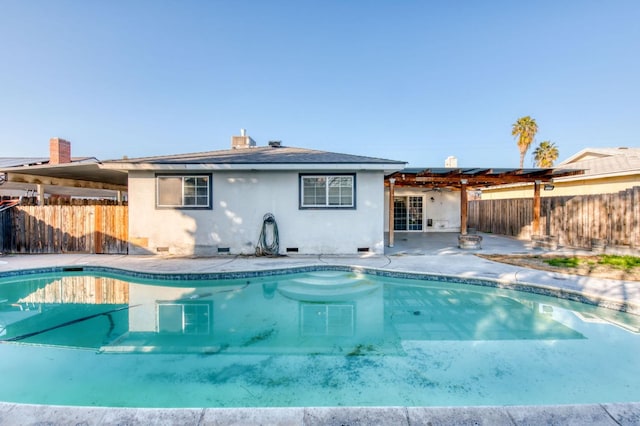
<point>332,337</point>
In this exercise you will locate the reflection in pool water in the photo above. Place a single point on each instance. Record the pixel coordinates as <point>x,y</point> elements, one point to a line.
<point>327,338</point>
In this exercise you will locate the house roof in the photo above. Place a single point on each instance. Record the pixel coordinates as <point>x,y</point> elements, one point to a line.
<point>113,174</point>
<point>606,161</point>
<point>6,162</point>
<point>596,153</point>
<point>259,157</point>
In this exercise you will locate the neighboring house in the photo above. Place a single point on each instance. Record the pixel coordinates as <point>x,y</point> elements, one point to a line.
<point>606,170</point>
<point>53,184</point>
<point>12,190</point>
<point>215,202</point>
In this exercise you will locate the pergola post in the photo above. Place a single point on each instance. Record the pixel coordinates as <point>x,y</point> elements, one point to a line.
<point>392,182</point>
<point>463,207</point>
<point>536,207</point>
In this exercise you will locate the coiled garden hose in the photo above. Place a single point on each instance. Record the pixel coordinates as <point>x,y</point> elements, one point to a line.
<point>268,233</point>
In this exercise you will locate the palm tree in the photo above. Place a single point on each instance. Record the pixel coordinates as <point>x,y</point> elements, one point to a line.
<point>525,128</point>
<point>545,154</point>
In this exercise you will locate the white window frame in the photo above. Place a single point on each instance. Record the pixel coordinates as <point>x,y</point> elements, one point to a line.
<point>327,195</point>
<point>182,204</point>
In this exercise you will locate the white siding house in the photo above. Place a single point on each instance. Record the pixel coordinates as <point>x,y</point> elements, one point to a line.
<point>214,202</point>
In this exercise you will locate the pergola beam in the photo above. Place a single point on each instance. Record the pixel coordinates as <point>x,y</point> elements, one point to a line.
<point>474,180</point>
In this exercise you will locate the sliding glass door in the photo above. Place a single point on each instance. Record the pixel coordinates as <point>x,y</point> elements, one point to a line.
<point>407,213</point>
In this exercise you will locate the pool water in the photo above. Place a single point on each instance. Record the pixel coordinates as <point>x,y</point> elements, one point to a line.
<point>326,338</point>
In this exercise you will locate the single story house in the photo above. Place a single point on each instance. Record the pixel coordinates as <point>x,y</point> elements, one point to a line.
<point>215,202</point>
<point>606,171</point>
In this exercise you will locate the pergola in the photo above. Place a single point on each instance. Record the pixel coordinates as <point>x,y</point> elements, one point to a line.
<point>464,179</point>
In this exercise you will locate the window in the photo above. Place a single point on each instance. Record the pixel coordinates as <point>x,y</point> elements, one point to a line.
<point>183,191</point>
<point>327,191</point>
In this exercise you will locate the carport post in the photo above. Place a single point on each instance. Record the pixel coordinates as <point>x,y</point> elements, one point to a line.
<point>392,182</point>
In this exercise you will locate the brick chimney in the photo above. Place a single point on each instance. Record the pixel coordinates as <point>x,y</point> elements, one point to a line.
<point>242,141</point>
<point>59,151</point>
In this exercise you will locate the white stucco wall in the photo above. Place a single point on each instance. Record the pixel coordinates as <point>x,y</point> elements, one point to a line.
<point>240,200</point>
<point>443,210</point>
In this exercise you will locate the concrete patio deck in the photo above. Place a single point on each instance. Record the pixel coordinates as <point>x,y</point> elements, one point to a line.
<point>435,253</point>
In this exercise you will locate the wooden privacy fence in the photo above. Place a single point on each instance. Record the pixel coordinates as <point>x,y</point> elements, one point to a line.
<point>64,229</point>
<point>576,221</point>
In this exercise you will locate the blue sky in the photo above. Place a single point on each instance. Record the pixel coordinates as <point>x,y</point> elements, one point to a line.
<point>415,81</point>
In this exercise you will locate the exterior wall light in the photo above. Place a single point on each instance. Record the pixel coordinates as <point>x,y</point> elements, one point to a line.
<point>548,187</point>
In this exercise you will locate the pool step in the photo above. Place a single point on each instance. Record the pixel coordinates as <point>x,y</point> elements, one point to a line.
<point>329,279</point>
<point>327,287</point>
<point>337,282</point>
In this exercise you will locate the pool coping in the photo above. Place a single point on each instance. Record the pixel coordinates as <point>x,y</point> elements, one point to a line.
<point>601,414</point>
<point>605,413</point>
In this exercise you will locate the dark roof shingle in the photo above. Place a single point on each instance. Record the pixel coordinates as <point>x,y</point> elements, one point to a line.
<point>260,155</point>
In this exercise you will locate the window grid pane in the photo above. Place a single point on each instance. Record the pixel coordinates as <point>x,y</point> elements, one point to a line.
<point>314,191</point>
<point>169,191</point>
<point>183,191</point>
<point>415,214</point>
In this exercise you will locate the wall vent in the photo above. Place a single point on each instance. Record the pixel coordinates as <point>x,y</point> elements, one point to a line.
<point>162,249</point>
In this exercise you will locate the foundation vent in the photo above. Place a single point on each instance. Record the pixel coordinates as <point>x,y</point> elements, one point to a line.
<point>363,250</point>
<point>223,250</point>
<point>292,250</point>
